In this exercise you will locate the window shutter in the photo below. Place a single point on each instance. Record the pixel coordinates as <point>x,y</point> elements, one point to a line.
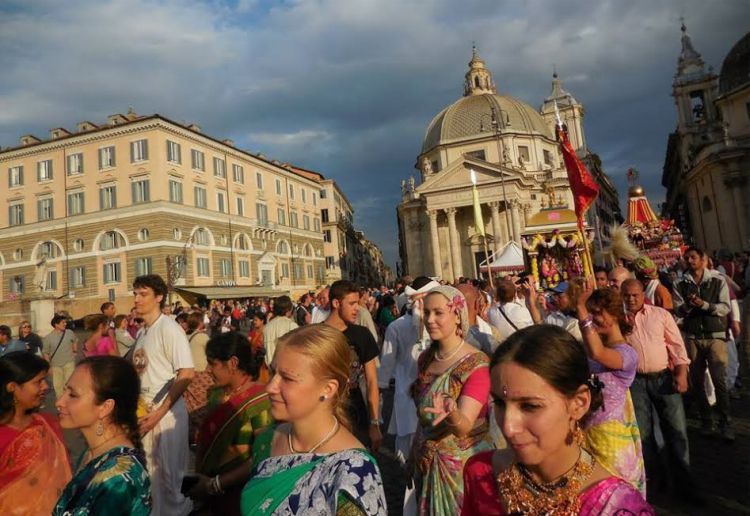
<point>112,156</point>
<point>114,197</point>
<point>145,149</point>
<point>101,198</point>
<point>39,210</point>
<point>132,151</point>
<point>39,171</point>
<point>20,174</point>
<point>9,176</point>
<point>147,191</point>
<point>101,159</point>
<point>134,192</point>
<point>82,205</point>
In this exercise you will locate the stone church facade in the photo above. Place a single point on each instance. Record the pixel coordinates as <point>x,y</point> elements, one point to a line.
<point>512,149</point>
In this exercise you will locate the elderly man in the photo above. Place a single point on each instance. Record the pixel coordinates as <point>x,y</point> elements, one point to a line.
<point>617,276</point>
<point>480,332</point>
<point>322,307</point>
<point>280,325</point>
<point>661,378</point>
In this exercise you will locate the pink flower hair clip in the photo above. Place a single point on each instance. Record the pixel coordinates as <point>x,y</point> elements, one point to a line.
<point>457,304</point>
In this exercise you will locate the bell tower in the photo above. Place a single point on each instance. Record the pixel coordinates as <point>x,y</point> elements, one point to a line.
<point>571,112</point>
<point>693,88</point>
<point>478,80</point>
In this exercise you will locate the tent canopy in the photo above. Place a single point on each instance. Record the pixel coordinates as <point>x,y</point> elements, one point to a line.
<point>507,259</point>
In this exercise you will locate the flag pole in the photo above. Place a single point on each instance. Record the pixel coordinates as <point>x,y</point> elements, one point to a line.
<point>489,269</point>
<point>479,223</point>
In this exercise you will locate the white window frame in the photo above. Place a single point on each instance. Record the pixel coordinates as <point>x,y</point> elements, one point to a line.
<point>107,157</point>
<point>143,266</point>
<point>174,152</point>
<point>238,173</point>
<point>225,268</point>
<point>281,216</point>
<point>198,160</point>
<point>108,197</point>
<point>78,277</point>
<point>240,206</point>
<point>76,203</point>
<point>278,187</point>
<point>200,193</point>
<point>244,268</point>
<point>259,180</point>
<point>202,267</point>
<point>221,201</point>
<point>16,214</point>
<point>175,191</point>
<point>220,168</point>
<point>74,164</point>
<point>45,208</point>
<point>112,273</point>
<point>44,170</point>
<point>139,150</point>
<point>15,176</point>
<point>141,191</point>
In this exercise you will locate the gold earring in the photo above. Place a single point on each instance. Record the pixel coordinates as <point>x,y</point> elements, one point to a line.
<point>578,436</point>
<point>99,428</point>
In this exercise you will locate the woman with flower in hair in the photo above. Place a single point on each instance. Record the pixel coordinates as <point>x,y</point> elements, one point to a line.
<point>451,393</point>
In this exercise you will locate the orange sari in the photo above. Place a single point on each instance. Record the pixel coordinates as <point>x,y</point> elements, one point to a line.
<point>255,338</point>
<point>34,468</point>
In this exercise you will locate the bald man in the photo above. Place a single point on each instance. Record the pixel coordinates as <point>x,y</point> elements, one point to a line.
<point>617,276</point>
<point>480,333</point>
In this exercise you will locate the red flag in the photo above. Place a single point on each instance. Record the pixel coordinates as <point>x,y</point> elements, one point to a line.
<point>582,184</point>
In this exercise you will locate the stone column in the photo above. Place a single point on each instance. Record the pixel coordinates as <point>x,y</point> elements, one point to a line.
<point>495,210</point>
<point>739,209</point>
<point>435,240</point>
<point>515,217</point>
<point>455,243</point>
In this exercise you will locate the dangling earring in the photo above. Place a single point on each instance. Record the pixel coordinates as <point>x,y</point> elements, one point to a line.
<point>578,436</point>
<point>99,428</point>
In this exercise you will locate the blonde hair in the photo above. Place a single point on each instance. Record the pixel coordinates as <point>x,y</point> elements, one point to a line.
<point>331,357</point>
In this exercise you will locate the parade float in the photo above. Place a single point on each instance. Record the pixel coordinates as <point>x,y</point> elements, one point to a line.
<point>555,247</point>
<point>659,239</point>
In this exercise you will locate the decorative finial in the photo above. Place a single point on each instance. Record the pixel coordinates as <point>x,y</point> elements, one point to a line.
<point>554,71</point>
<point>682,25</point>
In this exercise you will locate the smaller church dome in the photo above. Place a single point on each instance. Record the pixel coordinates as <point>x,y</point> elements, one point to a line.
<point>735,70</point>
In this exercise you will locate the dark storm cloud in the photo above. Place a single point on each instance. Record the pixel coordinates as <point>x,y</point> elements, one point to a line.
<point>347,87</point>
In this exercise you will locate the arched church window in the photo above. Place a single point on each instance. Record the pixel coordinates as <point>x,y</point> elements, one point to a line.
<point>476,81</point>
<point>707,206</point>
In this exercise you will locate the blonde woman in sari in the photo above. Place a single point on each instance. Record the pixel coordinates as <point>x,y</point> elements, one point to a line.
<point>238,408</point>
<point>34,465</point>
<point>452,395</point>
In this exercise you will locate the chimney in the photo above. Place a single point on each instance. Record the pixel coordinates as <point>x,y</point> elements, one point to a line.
<point>227,141</point>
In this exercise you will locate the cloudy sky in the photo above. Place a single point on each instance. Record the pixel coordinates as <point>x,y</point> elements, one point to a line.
<point>347,87</point>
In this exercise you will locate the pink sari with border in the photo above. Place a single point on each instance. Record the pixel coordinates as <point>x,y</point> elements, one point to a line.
<point>34,468</point>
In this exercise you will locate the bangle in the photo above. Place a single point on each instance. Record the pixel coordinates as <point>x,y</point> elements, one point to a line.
<point>586,323</point>
<point>216,485</point>
<point>448,422</point>
<point>374,422</point>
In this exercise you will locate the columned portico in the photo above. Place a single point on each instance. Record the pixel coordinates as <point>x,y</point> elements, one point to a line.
<point>435,242</point>
<point>495,210</point>
<point>455,243</point>
<point>515,217</point>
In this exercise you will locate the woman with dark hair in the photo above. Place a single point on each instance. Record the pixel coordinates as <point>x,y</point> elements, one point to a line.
<point>611,433</point>
<point>255,338</point>
<point>238,408</point>
<point>543,393</point>
<point>34,464</point>
<point>100,400</point>
<point>452,394</point>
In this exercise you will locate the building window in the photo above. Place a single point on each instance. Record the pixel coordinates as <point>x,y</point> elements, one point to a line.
<point>282,248</point>
<point>140,190</point>
<point>291,192</point>
<point>201,236</point>
<point>284,270</point>
<point>238,174</point>
<point>259,180</point>
<point>316,224</point>
<point>108,197</point>
<point>175,191</point>
<point>281,216</point>
<point>547,157</point>
<point>241,206</point>
<point>75,164</point>
<point>324,214</point>
<point>330,262</point>
<point>293,219</point>
<point>198,160</point>
<point>51,280</point>
<point>202,267</point>
<point>107,157</point>
<point>315,199</point>
<point>111,240</point>
<point>261,213</point>
<point>48,250</point>
<point>299,271</point>
<point>244,267</point>
<point>523,153</point>
<point>278,186</point>
<point>322,194</point>
<point>15,176</point>
<point>220,168</point>
<point>18,254</point>
<point>221,201</point>
<point>78,244</point>
<point>138,151</point>
<point>44,170</point>
<point>304,195</point>
<point>225,268</point>
<point>44,209</point>
<point>112,272</point>
<point>707,206</point>
<point>143,266</point>
<point>306,222</point>
<point>478,154</point>
<point>76,203</point>
<point>242,243</point>
<point>16,285</point>
<point>310,271</point>
<point>327,236</point>
<point>174,152</point>
<point>200,197</point>
<point>176,234</point>
<point>78,277</point>
<point>143,234</point>
<point>15,214</point>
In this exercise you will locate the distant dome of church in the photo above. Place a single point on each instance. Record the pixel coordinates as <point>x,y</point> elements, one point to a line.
<point>735,70</point>
<point>471,116</point>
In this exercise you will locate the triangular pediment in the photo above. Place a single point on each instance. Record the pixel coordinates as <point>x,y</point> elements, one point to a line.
<point>267,259</point>
<point>457,175</point>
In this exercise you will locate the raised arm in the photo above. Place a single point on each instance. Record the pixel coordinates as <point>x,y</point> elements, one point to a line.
<point>593,344</point>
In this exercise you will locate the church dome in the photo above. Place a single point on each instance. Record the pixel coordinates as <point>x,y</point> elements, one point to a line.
<point>471,117</point>
<point>735,70</point>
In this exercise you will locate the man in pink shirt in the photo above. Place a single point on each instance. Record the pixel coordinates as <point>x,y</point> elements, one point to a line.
<point>661,378</point>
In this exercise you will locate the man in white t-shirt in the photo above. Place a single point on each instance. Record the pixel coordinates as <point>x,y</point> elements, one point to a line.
<point>163,360</point>
<point>506,315</point>
<point>322,308</point>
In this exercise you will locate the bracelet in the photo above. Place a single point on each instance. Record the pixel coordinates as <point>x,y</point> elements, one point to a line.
<point>216,486</point>
<point>586,323</point>
<point>374,422</point>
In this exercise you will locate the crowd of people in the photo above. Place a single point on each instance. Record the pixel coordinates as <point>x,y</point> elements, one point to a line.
<point>505,401</point>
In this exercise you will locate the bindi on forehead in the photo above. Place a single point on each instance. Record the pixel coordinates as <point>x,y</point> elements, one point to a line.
<point>507,393</point>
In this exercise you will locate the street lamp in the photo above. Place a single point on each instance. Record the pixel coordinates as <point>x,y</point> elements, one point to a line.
<point>495,124</point>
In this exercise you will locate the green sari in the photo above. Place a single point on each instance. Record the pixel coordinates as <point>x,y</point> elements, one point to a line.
<point>227,437</point>
<point>341,483</point>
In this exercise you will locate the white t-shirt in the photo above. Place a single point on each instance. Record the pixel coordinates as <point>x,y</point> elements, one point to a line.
<point>319,315</point>
<point>162,350</point>
<point>519,315</point>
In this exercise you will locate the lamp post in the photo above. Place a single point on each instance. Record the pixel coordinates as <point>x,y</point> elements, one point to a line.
<point>496,127</point>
